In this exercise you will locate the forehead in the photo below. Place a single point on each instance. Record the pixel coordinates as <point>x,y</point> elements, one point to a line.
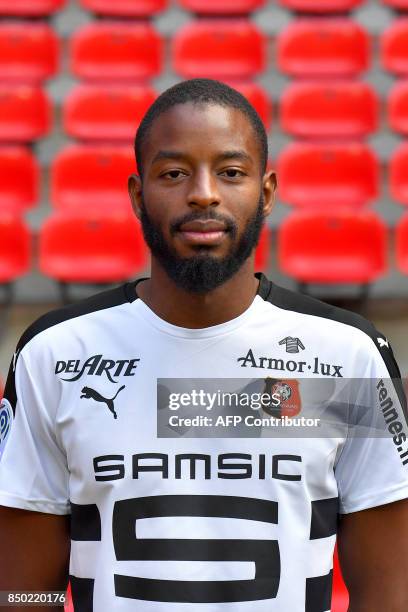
<point>201,130</point>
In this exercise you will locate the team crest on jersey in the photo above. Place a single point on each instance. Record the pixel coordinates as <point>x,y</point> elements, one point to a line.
<point>6,419</point>
<point>288,390</point>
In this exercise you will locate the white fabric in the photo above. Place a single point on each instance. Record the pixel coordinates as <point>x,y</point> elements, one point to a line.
<point>48,460</point>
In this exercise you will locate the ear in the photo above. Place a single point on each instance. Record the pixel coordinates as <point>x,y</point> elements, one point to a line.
<point>135,193</point>
<point>269,185</point>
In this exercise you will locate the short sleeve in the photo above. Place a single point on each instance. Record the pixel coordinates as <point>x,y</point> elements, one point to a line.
<point>372,468</point>
<point>33,466</point>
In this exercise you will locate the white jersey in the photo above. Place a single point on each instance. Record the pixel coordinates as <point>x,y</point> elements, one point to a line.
<point>182,524</point>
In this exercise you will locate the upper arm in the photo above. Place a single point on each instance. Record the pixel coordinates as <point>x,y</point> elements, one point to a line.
<point>34,472</point>
<point>372,476</point>
<point>372,546</point>
<point>35,550</point>
<point>34,480</point>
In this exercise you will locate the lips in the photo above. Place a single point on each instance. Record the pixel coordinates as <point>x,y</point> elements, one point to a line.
<point>209,225</point>
<point>208,232</point>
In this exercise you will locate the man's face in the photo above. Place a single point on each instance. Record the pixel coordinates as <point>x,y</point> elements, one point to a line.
<point>203,200</point>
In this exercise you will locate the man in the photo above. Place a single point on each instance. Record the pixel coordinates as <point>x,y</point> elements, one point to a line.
<point>219,522</point>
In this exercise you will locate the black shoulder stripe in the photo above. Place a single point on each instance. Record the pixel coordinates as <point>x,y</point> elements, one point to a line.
<point>297,302</point>
<point>100,301</point>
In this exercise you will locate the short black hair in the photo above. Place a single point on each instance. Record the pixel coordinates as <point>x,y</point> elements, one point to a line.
<point>200,91</point>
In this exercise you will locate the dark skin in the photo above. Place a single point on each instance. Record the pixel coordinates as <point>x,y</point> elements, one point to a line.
<point>372,543</point>
<point>34,555</point>
<point>372,547</point>
<point>202,176</point>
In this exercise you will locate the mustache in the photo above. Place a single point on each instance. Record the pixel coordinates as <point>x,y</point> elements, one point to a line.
<point>230,224</point>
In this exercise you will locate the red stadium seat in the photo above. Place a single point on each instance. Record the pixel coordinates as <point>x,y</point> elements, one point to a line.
<point>106,112</point>
<point>340,598</point>
<point>92,178</point>
<point>321,6</point>
<point>323,47</point>
<point>30,8</point>
<point>401,5</point>
<point>334,175</point>
<point>342,109</point>
<point>397,107</point>
<point>85,248</point>
<point>125,8</point>
<point>394,47</point>
<point>25,113</point>
<point>258,97</point>
<point>19,179</point>
<point>68,607</point>
<point>341,247</point>
<point>401,244</point>
<point>263,250</point>
<point>116,51</point>
<point>222,7</point>
<point>15,247</point>
<point>398,174</point>
<point>221,49</point>
<point>28,52</point>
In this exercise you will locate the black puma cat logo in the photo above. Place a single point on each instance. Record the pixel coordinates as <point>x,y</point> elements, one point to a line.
<point>89,393</point>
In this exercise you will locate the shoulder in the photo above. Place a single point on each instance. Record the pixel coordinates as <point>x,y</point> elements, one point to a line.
<point>54,329</point>
<point>348,326</point>
<point>54,319</point>
<point>312,307</point>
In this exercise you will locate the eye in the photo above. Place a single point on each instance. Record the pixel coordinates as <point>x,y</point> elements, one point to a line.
<point>173,174</point>
<point>233,173</point>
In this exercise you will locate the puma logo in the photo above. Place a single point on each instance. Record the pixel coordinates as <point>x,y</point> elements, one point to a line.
<point>89,393</point>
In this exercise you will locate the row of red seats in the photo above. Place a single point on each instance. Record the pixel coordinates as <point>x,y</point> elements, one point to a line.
<point>227,48</point>
<point>143,8</point>
<point>310,175</point>
<point>80,247</point>
<point>313,246</point>
<point>113,112</point>
<point>308,109</point>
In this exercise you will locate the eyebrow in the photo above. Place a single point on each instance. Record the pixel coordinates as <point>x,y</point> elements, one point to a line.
<point>168,155</point>
<point>238,154</point>
<point>226,155</point>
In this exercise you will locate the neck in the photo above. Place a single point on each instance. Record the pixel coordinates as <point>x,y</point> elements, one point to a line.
<point>194,311</point>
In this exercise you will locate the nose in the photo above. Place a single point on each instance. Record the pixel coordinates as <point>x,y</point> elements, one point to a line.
<point>203,192</point>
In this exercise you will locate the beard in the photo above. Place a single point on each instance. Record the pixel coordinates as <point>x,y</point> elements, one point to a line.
<point>203,272</point>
